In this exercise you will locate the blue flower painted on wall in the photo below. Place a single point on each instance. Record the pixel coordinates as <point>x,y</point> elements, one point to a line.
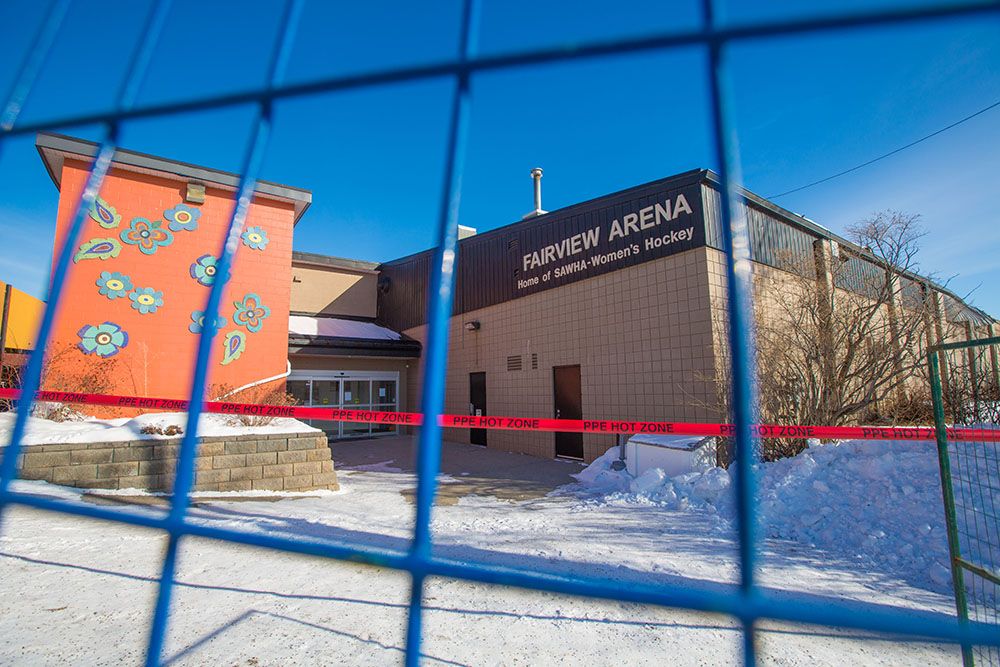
<point>233,346</point>
<point>104,214</point>
<point>145,299</point>
<point>104,340</point>
<point>182,217</point>
<point>250,313</point>
<point>198,321</point>
<point>98,249</point>
<point>255,237</point>
<point>204,270</point>
<point>146,234</point>
<point>114,285</point>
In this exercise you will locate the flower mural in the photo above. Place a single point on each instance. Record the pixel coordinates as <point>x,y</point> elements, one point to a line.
<point>250,313</point>
<point>98,249</point>
<point>104,340</point>
<point>233,346</point>
<point>205,269</point>
<point>147,235</point>
<point>255,237</point>
<point>198,321</point>
<point>114,285</point>
<point>145,299</point>
<point>104,214</point>
<point>182,217</point>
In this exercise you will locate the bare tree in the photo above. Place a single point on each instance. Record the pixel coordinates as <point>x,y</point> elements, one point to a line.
<point>840,335</point>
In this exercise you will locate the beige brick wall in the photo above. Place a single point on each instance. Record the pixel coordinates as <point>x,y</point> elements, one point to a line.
<point>279,462</point>
<point>333,291</point>
<point>642,337</point>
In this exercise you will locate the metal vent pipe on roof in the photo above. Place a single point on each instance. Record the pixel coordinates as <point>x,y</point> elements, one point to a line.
<point>536,176</point>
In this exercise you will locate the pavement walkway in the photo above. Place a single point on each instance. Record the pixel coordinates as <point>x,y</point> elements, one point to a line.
<point>467,470</point>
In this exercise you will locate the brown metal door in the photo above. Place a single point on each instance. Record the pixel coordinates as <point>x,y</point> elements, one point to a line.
<point>477,406</point>
<point>568,405</point>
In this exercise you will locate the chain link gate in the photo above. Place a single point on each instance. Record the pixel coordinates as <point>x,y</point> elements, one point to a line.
<point>965,388</point>
<point>747,603</point>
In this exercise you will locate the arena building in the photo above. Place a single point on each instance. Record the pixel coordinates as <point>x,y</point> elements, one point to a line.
<point>606,309</point>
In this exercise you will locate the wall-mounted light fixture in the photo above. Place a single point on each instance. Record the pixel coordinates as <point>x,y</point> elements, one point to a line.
<point>472,326</point>
<point>195,193</point>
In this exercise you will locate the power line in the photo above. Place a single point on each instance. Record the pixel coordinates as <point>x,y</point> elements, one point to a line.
<point>890,153</point>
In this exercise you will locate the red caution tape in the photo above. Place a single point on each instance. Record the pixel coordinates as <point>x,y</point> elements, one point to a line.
<point>518,423</point>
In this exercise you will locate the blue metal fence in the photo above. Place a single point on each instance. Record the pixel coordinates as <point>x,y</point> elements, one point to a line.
<point>747,602</point>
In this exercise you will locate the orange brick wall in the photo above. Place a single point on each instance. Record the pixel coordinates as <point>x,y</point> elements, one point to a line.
<point>158,359</point>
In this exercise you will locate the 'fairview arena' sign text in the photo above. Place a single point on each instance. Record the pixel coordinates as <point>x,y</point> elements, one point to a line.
<point>638,231</point>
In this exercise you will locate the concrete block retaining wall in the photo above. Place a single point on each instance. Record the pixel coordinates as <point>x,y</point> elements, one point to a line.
<point>273,462</point>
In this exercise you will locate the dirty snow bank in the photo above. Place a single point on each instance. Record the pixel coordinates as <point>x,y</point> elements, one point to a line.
<point>877,502</point>
<point>91,429</point>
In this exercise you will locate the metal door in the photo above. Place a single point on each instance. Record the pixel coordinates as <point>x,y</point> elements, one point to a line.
<point>568,401</point>
<point>477,406</point>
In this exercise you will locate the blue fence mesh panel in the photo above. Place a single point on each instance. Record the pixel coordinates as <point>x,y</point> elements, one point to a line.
<point>746,602</point>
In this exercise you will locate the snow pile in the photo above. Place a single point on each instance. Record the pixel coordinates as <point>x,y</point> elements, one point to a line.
<point>91,429</point>
<point>704,488</point>
<point>877,502</point>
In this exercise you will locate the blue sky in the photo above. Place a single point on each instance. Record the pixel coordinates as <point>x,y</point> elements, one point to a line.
<point>804,108</point>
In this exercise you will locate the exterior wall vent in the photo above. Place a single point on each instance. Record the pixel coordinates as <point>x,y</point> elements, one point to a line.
<point>514,363</point>
<point>534,361</point>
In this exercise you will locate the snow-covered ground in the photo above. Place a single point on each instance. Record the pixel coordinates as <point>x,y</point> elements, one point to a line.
<point>843,522</point>
<point>91,429</point>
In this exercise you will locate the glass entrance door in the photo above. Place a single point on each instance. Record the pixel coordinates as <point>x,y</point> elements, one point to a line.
<point>354,392</point>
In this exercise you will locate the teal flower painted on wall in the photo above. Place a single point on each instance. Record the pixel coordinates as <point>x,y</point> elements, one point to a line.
<point>250,313</point>
<point>145,299</point>
<point>114,285</point>
<point>104,214</point>
<point>233,346</point>
<point>198,321</point>
<point>98,249</point>
<point>182,217</point>
<point>146,234</point>
<point>104,340</point>
<point>255,237</point>
<point>205,269</point>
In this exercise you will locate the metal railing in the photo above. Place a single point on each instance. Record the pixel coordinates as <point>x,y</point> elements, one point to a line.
<point>747,602</point>
<point>965,388</point>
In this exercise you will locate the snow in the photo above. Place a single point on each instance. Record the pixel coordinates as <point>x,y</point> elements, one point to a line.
<point>877,503</point>
<point>333,326</point>
<point>65,581</point>
<point>92,429</point>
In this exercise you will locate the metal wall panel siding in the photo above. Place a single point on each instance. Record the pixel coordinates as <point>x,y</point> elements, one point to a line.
<point>571,244</point>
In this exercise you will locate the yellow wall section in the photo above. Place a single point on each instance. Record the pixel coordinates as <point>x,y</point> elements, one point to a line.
<point>23,319</point>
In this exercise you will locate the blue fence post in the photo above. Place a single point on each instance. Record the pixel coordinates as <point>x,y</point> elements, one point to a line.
<point>184,478</point>
<point>736,246</point>
<point>31,379</point>
<point>441,295</point>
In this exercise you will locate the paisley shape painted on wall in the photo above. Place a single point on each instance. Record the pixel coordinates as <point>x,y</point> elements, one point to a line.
<point>98,249</point>
<point>250,313</point>
<point>104,214</point>
<point>146,299</point>
<point>114,285</point>
<point>182,217</point>
<point>104,340</point>
<point>233,346</point>
<point>255,237</point>
<point>147,235</point>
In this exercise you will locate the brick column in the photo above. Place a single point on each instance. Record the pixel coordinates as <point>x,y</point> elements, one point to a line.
<point>991,329</point>
<point>825,293</point>
<point>937,335</point>
<point>895,307</point>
